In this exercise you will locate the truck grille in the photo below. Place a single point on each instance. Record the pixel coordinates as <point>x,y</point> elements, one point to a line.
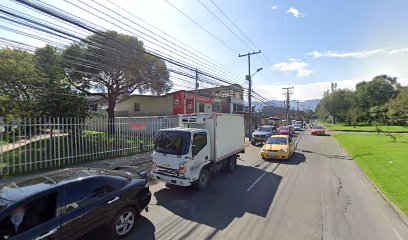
<point>272,150</point>
<point>168,171</point>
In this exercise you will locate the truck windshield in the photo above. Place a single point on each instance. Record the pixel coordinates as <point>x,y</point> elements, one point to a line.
<point>173,142</point>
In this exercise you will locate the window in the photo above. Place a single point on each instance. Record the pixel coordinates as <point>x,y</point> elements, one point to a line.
<point>199,142</point>
<point>136,107</point>
<point>277,141</point>
<point>36,212</point>
<point>173,142</point>
<point>201,107</point>
<point>85,192</point>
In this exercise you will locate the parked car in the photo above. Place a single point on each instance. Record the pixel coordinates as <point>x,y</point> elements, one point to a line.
<point>318,130</point>
<point>66,204</point>
<point>262,134</point>
<point>278,147</point>
<point>286,130</point>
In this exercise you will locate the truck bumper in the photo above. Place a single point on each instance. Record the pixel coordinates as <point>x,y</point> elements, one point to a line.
<point>172,180</point>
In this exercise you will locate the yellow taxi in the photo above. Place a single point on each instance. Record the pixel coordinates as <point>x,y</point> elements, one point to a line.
<point>278,147</point>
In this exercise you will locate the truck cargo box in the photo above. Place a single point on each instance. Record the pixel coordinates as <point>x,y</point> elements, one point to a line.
<point>226,132</point>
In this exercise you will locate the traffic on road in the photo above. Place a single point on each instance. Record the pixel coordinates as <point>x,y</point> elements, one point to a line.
<point>291,186</point>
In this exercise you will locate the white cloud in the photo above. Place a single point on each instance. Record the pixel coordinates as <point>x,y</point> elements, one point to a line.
<point>294,65</point>
<point>357,54</point>
<point>295,12</point>
<point>274,7</point>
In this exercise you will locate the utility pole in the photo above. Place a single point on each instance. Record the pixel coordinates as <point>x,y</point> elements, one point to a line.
<point>249,78</point>
<point>287,93</point>
<point>297,107</point>
<point>196,91</point>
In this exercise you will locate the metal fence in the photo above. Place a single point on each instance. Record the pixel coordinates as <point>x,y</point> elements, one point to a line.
<point>32,144</point>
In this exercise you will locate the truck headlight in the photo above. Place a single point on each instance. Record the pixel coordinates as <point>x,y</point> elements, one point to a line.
<point>263,150</point>
<point>284,150</point>
<point>182,170</point>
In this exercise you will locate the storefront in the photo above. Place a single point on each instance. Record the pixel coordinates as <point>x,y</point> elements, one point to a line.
<point>183,103</point>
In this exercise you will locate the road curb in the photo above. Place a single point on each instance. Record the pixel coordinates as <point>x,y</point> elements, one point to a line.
<point>396,209</point>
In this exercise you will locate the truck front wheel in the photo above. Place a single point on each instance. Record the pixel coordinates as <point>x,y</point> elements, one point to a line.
<point>231,164</point>
<point>203,180</point>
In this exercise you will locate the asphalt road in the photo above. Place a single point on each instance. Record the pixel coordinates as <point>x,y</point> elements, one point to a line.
<point>318,194</point>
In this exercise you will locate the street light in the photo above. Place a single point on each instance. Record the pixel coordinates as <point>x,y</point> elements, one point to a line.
<point>257,70</point>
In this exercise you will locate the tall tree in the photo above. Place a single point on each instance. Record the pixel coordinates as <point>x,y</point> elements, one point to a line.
<point>111,65</point>
<point>398,107</point>
<point>17,81</point>
<point>374,93</point>
<point>34,85</point>
<point>55,95</point>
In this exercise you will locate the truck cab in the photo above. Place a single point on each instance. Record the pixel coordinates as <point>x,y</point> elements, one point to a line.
<point>180,153</point>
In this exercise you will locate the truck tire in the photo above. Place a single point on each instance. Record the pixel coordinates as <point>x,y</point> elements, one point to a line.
<point>231,164</point>
<point>203,180</point>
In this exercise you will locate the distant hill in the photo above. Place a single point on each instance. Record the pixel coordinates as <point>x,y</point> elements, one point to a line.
<point>308,104</point>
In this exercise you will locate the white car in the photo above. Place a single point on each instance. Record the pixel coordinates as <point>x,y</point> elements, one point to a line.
<point>298,127</point>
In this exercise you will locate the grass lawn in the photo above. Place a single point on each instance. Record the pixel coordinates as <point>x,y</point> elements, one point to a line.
<point>366,128</point>
<point>384,162</point>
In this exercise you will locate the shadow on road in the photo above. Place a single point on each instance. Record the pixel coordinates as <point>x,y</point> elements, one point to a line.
<point>228,197</point>
<point>328,155</point>
<point>295,159</point>
<point>144,230</point>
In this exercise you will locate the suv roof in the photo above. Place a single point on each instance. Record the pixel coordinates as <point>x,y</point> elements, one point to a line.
<point>17,190</point>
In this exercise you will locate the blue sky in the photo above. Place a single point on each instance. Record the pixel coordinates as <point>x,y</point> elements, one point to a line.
<point>308,44</point>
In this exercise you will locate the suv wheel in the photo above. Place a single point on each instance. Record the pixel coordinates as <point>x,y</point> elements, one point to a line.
<point>203,180</point>
<point>124,222</point>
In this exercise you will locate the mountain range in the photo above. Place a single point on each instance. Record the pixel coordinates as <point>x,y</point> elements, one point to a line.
<point>307,104</point>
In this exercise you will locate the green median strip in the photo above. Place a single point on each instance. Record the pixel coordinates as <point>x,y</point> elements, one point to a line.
<point>385,162</point>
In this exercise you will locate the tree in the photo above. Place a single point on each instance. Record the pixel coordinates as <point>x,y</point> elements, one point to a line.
<point>17,81</point>
<point>398,107</point>
<point>55,96</point>
<point>111,65</point>
<point>338,104</point>
<point>374,93</point>
<point>35,85</point>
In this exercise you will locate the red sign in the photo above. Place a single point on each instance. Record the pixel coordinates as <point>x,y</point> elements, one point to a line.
<point>189,105</point>
<point>138,126</point>
<point>183,102</point>
<point>205,99</point>
<point>178,103</point>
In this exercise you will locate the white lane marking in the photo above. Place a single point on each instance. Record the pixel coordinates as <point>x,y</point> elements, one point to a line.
<point>256,181</point>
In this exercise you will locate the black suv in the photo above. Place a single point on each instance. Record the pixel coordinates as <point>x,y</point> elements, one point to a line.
<point>68,203</point>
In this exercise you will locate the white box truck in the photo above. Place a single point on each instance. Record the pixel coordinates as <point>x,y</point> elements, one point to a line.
<point>201,145</point>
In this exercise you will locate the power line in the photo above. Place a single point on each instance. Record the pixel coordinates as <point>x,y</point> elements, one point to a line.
<point>196,23</point>
<point>67,36</point>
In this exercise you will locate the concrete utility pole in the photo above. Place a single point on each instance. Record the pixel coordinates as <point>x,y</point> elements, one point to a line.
<point>249,78</point>
<point>196,91</point>
<point>287,93</point>
<point>297,106</point>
